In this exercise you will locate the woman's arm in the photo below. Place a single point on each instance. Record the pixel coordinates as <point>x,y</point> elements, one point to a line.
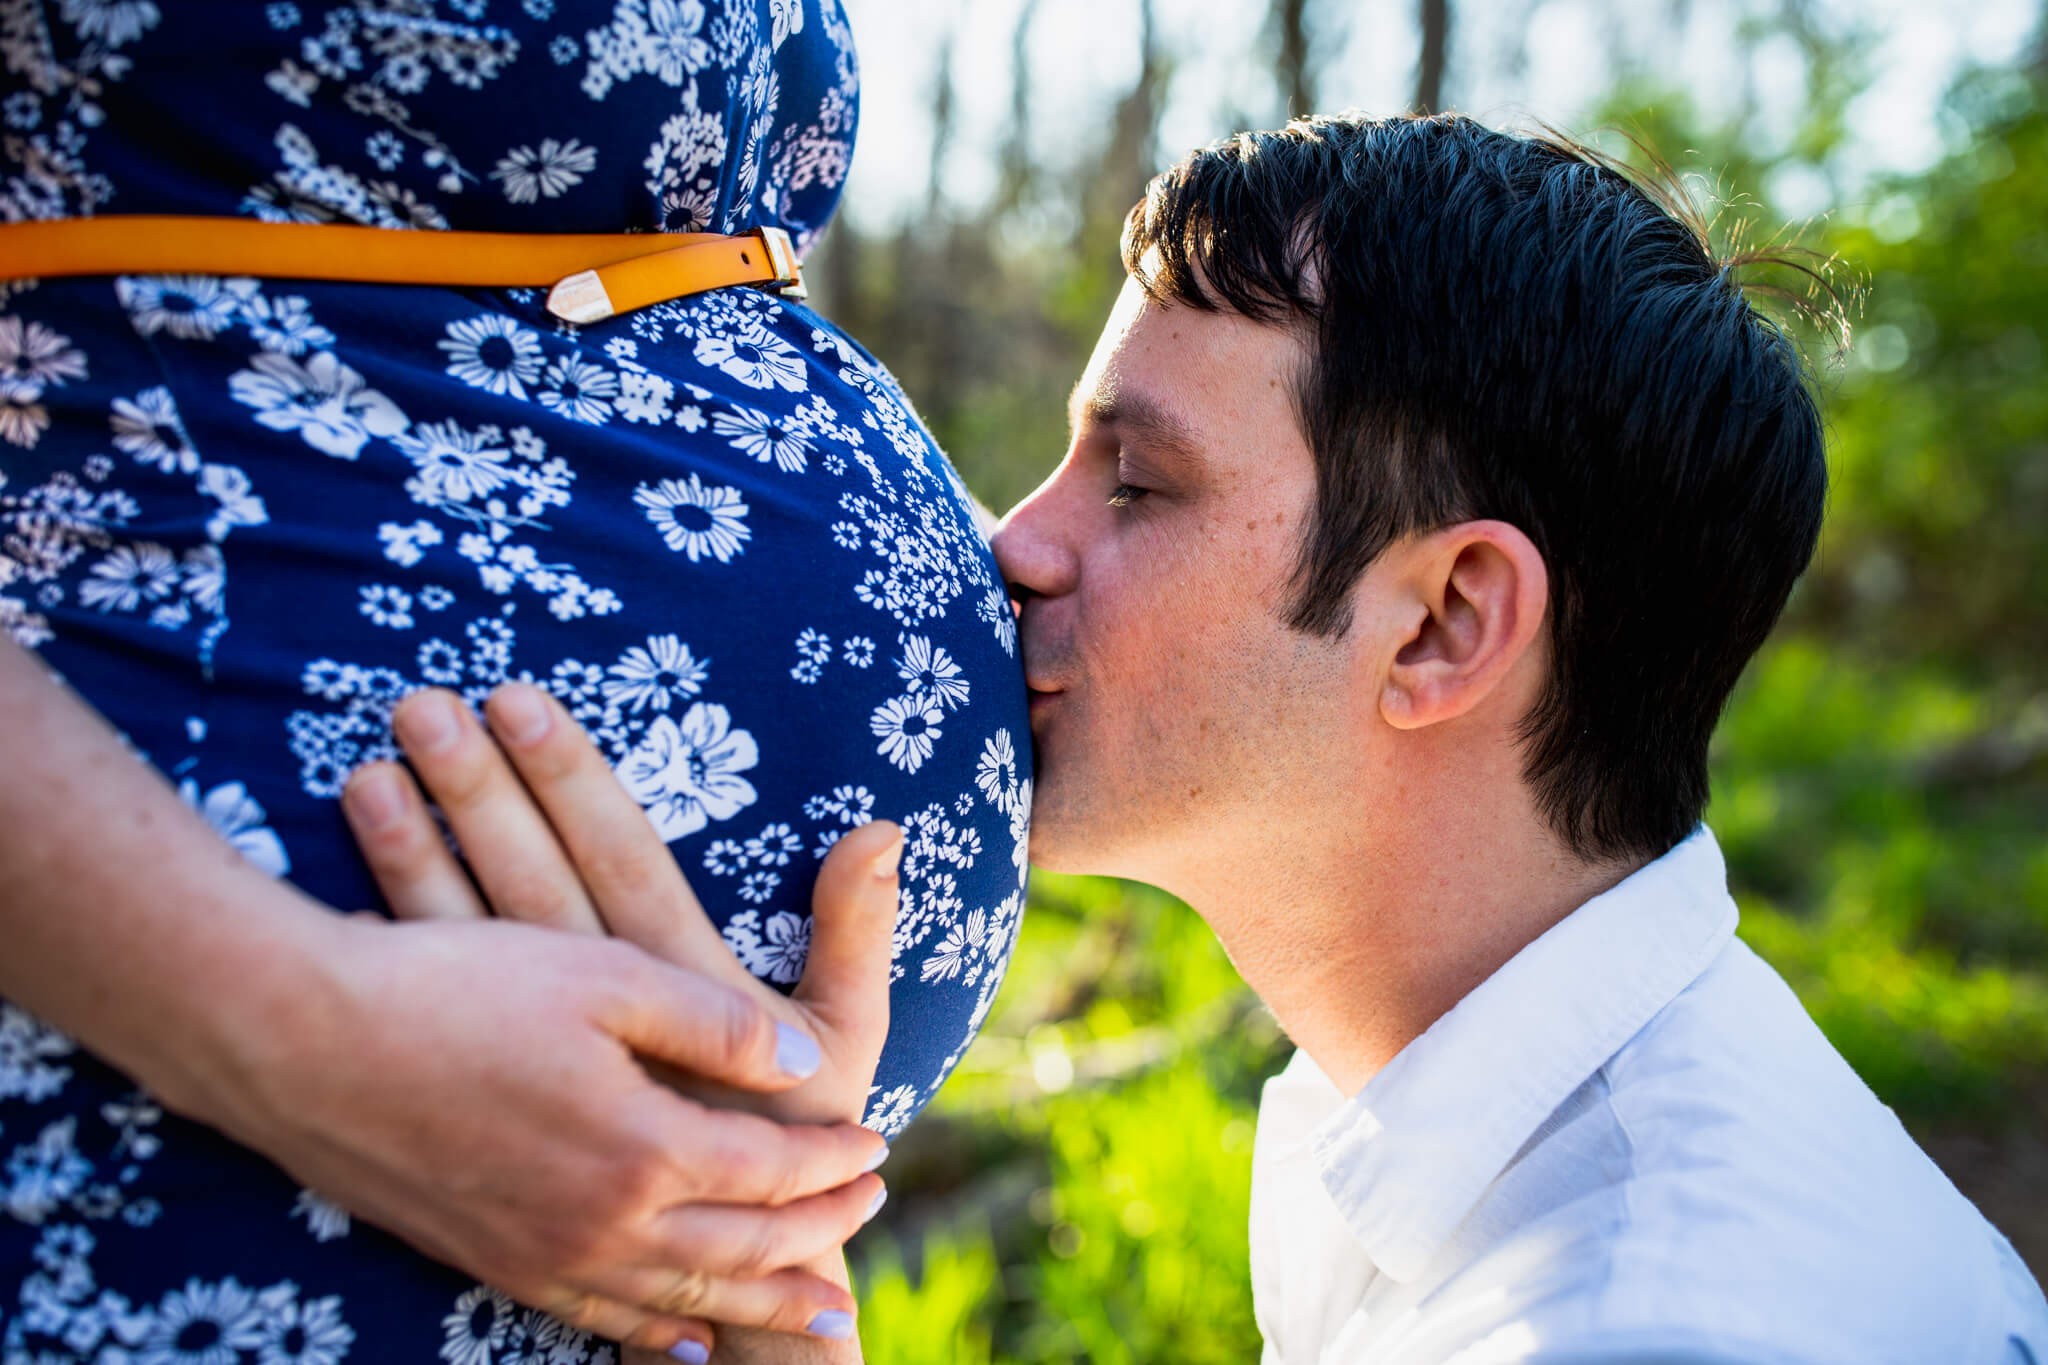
<point>411,1072</point>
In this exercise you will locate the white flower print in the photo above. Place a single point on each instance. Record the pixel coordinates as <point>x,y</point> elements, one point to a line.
<point>129,576</point>
<point>292,82</point>
<point>33,356</point>
<point>46,1174</point>
<point>22,421</point>
<point>995,609</point>
<point>324,401</point>
<point>962,941</point>
<point>644,397</point>
<point>305,1333</point>
<point>230,487</point>
<point>116,21</point>
<point>475,1328</point>
<point>579,390</point>
<point>689,774</point>
<point>906,727</point>
<point>764,438</point>
<point>890,1114</point>
<point>490,649</point>
<point>724,857</point>
<point>1020,827</point>
<point>28,1049</point>
<point>285,325</point>
<point>773,846</point>
<point>189,307</point>
<point>928,671</point>
<point>385,605</point>
<point>755,356</point>
<point>758,887</point>
<point>454,465</point>
<point>385,148</point>
<point>493,353</point>
<point>537,1339</point>
<point>544,174</point>
<point>996,773</point>
<point>407,545</point>
<point>858,651</point>
<point>775,951</point>
<point>225,1315</point>
<point>697,518</point>
<point>439,662</point>
<point>664,670</point>
<point>932,841</point>
<point>237,817</point>
<point>150,429</point>
<point>673,47</point>
<point>850,805</point>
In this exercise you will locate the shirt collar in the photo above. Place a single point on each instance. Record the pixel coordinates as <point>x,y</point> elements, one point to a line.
<point>1410,1155</point>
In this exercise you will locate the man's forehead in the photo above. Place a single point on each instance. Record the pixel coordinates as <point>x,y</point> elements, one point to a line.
<point>1179,372</point>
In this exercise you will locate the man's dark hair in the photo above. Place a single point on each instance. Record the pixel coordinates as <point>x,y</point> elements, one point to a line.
<point>1510,327</point>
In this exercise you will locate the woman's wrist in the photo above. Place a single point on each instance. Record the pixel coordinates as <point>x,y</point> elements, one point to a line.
<point>265,989</point>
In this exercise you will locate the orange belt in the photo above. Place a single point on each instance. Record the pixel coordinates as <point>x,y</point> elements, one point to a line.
<point>590,276</point>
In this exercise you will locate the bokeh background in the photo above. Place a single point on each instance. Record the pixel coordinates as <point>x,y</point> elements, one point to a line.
<point>1880,782</point>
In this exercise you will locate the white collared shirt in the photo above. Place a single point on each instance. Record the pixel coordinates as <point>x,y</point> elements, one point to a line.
<point>1630,1143</point>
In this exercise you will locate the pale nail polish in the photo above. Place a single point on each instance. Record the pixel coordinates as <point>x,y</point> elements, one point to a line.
<point>832,1323</point>
<point>796,1052</point>
<point>881,1155</point>
<point>690,1352</point>
<point>881,1198</point>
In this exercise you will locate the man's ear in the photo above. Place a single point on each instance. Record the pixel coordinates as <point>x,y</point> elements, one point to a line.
<point>1474,597</point>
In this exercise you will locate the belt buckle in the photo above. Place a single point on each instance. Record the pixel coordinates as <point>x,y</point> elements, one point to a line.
<point>789,272</point>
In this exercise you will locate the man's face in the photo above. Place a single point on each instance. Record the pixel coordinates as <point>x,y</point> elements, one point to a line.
<point>1172,707</point>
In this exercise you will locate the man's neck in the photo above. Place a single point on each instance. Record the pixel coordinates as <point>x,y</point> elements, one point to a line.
<point>1369,938</point>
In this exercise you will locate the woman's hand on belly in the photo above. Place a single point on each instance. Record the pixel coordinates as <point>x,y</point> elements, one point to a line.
<point>476,1088</point>
<point>553,839</point>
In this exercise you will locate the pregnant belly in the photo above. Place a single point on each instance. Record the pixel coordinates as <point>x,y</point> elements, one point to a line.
<point>252,518</point>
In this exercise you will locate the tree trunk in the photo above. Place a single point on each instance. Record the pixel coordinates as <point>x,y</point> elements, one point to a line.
<point>1436,43</point>
<point>1290,19</point>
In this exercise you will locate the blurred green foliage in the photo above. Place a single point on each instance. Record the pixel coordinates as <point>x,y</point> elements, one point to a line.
<point>1880,780</point>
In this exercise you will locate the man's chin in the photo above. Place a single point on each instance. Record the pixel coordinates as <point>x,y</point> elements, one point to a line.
<point>1073,847</point>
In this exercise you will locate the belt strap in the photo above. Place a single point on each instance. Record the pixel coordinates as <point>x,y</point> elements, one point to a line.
<point>593,276</point>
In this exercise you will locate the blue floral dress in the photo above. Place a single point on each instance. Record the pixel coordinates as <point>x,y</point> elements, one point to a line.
<point>243,517</point>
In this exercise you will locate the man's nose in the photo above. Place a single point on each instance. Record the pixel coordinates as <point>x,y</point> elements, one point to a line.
<point>1034,548</point>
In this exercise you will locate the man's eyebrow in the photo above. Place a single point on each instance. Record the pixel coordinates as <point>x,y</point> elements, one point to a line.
<point>1135,415</point>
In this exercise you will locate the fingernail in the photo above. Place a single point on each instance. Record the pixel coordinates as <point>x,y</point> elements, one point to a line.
<point>518,713</point>
<point>796,1052</point>
<point>890,859</point>
<point>832,1323</point>
<point>431,723</point>
<point>881,1198</point>
<point>690,1352</point>
<point>375,798</point>
<point>881,1155</point>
